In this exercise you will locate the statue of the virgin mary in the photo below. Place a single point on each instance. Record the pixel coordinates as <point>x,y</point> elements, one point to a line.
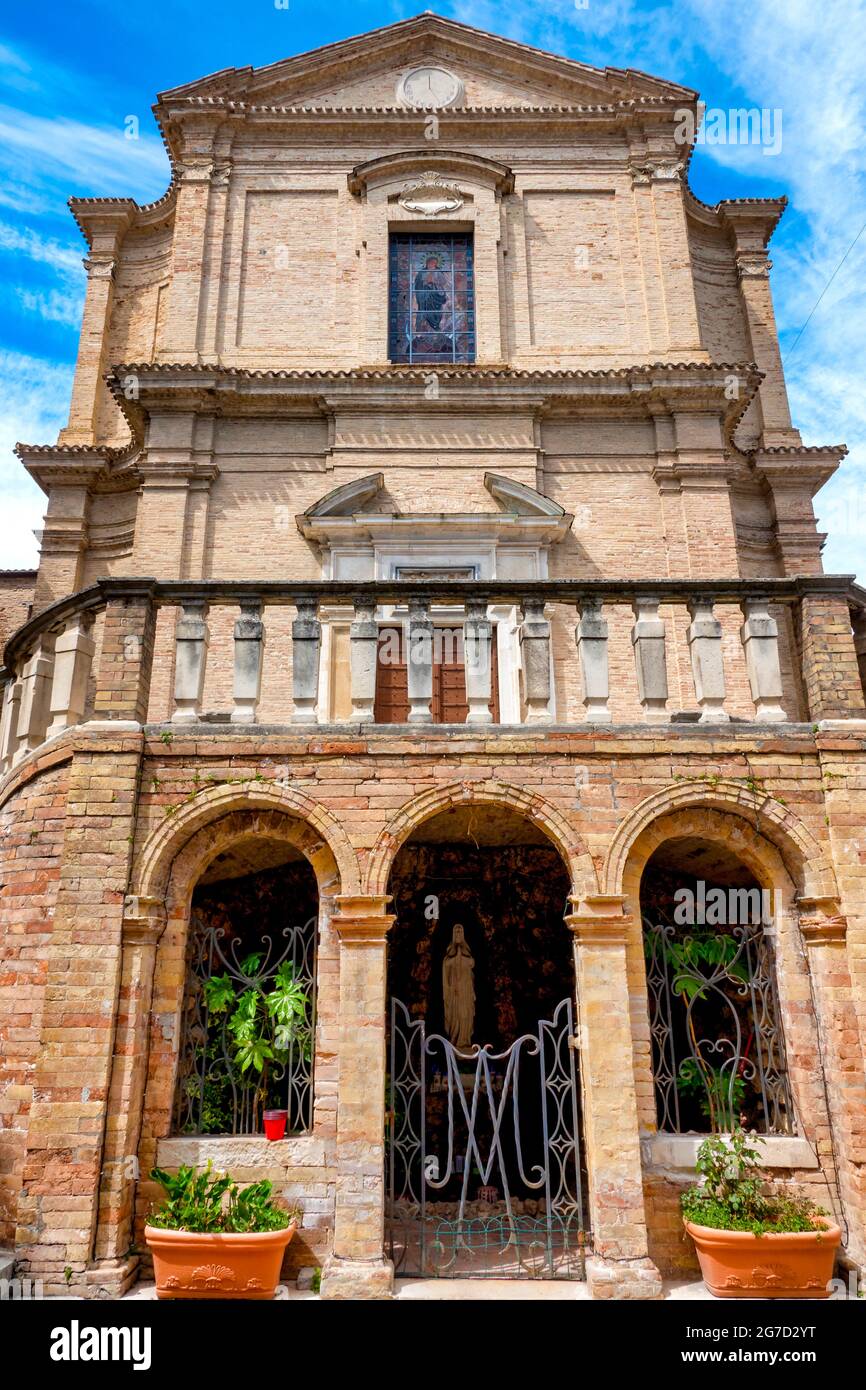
<point>458,990</point>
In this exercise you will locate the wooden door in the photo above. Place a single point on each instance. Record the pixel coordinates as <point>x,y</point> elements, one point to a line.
<point>449,681</point>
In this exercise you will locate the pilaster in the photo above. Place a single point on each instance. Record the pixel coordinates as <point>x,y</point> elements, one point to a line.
<point>619,1266</point>
<point>357,1268</point>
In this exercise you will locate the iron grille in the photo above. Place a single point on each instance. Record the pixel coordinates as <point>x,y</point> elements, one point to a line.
<point>484,1163</point>
<point>214,1095</point>
<point>717,1044</point>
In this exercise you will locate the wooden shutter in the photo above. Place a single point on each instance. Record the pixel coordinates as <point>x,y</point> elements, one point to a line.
<point>449,686</point>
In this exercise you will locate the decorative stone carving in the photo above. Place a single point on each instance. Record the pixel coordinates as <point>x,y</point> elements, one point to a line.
<point>753,265</point>
<point>430,195</point>
<point>657,171</point>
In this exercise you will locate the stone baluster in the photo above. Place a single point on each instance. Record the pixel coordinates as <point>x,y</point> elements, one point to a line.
<point>306,648</point>
<point>648,640</point>
<point>73,658</point>
<point>363,650</point>
<point>760,638</point>
<point>419,662</point>
<point>191,644</point>
<point>477,651</point>
<point>535,647</point>
<point>591,635</point>
<point>249,635</point>
<point>705,647</point>
<point>33,711</point>
<point>9,726</point>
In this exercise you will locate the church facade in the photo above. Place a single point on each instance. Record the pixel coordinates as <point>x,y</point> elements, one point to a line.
<point>430,608</point>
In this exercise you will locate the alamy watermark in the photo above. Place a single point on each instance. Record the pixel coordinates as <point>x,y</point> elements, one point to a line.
<point>738,125</point>
<point>722,907</point>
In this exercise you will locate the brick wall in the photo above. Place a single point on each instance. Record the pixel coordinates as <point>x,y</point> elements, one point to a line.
<point>32,825</point>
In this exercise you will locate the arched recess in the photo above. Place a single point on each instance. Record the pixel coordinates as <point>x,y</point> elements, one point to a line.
<point>175,857</point>
<point>781,855</point>
<point>325,842</point>
<point>759,818</point>
<point>489,793</point>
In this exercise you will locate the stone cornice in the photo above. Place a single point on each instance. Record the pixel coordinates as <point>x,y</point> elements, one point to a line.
<point>406,163</point>
<point>798,465</point>
<point>693,386</point>
<point>78,465</point>
<point>761,214</point>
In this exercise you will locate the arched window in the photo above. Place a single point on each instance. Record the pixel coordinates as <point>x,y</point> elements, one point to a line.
<point>248,1019</point>
<point>717,1045</point>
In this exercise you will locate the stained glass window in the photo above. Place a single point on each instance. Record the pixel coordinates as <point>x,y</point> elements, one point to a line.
<point>431,299</point>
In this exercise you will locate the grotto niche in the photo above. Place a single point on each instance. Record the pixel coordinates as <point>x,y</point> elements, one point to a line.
<point>493,873</point>
<point>483,1157</point>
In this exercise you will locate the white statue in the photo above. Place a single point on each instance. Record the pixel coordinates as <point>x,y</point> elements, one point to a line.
<point>458,990</point>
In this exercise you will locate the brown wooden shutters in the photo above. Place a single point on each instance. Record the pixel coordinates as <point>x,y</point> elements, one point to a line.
<point>449,680</point>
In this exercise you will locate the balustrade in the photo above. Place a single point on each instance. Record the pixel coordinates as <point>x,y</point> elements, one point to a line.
<point>49,662</point>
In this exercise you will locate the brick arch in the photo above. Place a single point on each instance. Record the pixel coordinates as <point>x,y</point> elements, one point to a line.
<point>732,813</point>
<point>184,844</point>
<point>528,804</point>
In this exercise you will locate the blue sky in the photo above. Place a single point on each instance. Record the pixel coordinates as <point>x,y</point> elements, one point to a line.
<point>72,75</point>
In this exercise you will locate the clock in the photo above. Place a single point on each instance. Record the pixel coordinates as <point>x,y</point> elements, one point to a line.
<point>428,88</point>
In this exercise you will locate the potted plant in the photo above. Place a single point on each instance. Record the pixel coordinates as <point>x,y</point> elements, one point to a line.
<point>211,1238</point>
<point>750,1243</point>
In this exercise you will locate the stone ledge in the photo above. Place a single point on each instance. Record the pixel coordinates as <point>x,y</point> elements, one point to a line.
<point>242,1151</point>
<point>629,1280</point>
<point>677,1153</point>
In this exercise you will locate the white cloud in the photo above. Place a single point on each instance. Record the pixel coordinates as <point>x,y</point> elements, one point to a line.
<point>63,258</point>
<point>34,404</point>
<point>54,306</point>
<point>809,61</point>
<point>86,159</point>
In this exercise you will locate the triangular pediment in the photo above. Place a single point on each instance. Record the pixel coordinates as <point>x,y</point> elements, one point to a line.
<point>367,70</point>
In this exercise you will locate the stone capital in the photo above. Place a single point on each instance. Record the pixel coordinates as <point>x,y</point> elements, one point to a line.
<point>599,919</point>
<point>753,265</point>
<point>143,920</point>
<point>362,920</point>
<point>658,170</point>
<point>99,267</point>
<point>821,922</point>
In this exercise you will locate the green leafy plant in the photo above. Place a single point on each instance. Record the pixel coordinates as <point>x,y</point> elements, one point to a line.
<point>719,1093</point>
<point>262,1023</point>
<point>693,962</point>
<point>203,1201</point>
<point>731,1196</point>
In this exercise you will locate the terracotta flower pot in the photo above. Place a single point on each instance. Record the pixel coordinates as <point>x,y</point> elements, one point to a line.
<point>275,1122</point>
<point>192,1264</point>
<point>795,1264</point>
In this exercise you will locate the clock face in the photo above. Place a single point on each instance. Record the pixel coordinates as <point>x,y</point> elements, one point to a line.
<point>430,87</point>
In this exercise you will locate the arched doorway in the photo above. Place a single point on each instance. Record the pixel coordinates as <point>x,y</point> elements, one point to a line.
<point>484,1171</point>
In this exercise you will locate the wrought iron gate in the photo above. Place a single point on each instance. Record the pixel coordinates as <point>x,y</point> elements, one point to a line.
<point>484,1165</point>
